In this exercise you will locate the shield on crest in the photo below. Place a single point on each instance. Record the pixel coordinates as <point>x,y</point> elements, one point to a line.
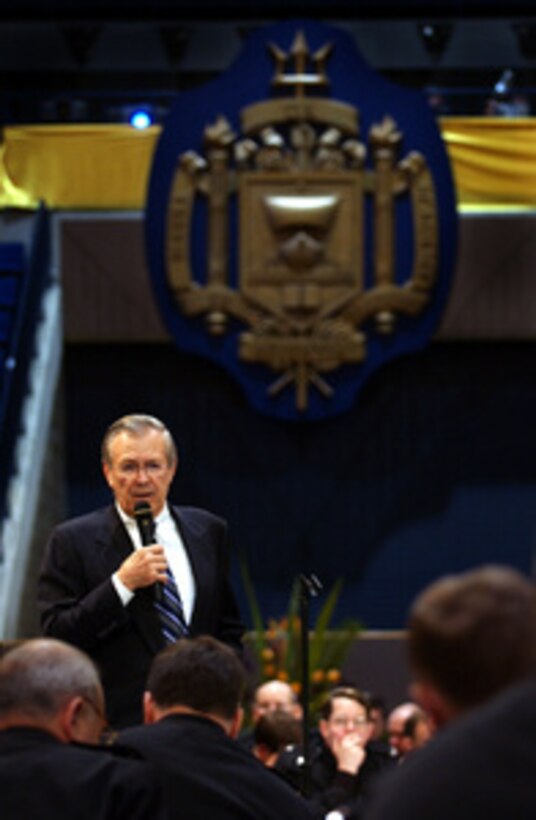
<point>298,235</point>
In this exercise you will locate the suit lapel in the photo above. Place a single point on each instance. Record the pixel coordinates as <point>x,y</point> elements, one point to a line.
<point>113,540</point>
<point>201,560</point>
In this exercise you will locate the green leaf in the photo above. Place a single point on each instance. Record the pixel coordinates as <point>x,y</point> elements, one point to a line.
<point>322,622</point>
<point>254,608</point>
<point>293,650</point>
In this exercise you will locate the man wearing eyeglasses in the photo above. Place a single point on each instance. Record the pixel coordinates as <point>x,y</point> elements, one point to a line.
<point>106,590</point>
<point>343,758</point>
<point>51,718</point>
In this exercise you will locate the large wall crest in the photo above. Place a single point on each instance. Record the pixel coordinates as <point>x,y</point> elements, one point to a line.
<point>300,246</point>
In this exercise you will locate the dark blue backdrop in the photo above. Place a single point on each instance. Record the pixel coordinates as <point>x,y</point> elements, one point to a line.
<point>431,471</point>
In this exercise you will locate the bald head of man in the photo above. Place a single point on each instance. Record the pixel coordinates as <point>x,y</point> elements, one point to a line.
<point>275,695</point>
<point>49,685</point>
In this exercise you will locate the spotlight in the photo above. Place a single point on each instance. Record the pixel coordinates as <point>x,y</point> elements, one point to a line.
<point>140,118</point>
<point>138,115</point>
<point>503,86</point>
<point>435,37</point>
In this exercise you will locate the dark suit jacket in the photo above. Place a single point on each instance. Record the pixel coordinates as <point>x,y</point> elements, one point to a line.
<point>481,767</point>
<point>41,778</point>
<point>79,604</point>
<point>206,774</point>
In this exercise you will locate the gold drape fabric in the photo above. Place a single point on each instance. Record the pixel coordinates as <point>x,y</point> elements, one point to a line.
<point>106,167</point>
<point>76,167</point>
<point>493,160</point>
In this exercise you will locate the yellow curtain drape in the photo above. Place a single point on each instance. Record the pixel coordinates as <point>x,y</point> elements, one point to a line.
<point>76,167</point>
<point>493,160</point>
<point>106,167</point>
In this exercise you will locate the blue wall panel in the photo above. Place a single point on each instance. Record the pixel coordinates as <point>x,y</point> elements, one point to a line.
<point>431,471</point>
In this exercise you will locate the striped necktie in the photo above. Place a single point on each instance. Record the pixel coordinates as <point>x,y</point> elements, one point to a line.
<point>170,610</point>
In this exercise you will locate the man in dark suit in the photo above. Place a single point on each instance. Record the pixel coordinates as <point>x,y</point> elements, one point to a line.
<point>193,715</point>
<point>50,700</point>
<point>480,767</point>
<point>471,640</point>
<point>97,586</point>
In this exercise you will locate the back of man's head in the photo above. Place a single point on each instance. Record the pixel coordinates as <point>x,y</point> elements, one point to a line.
<point>474,634</point>
<point>41,678</point>
<point>200,674</point>
<point>276,730</point>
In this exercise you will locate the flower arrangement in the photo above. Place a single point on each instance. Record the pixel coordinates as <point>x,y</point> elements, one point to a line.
<point>276,645</point>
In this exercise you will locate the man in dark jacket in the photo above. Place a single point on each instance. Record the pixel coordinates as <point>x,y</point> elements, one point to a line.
<point>472,641</point>
<point>51,701</point>
<point>193,714</point>
<point>97,587</point>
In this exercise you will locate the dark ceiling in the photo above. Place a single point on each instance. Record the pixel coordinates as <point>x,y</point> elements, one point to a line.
<point>176,9</point>
<point>72,60</point>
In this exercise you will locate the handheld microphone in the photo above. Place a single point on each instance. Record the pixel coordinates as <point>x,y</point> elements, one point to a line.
<point>146,528</point>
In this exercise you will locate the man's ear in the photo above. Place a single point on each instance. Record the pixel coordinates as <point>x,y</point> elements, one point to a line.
<point>70,719</point>
<point>149,708</point>
<point>261,752</point>
<point>106,472</point>
<point>236,723</point>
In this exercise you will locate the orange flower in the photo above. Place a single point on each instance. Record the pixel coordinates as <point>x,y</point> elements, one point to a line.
<point>282,675</point>
<point>268,654</point>
<point>317,676</point>
<point>333,675</point>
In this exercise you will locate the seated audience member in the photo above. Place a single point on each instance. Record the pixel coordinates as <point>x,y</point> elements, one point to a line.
<point>419,729</point>
<point>274,732</point>
<point>50,699</point>
<point>192,715</point>
<point>396,724</point>
<point>472,649</point>
<point>343,759</point>
<point>378,717</point>
<point>275,695</point>
<point>270,696</point>
<point>409,728</point>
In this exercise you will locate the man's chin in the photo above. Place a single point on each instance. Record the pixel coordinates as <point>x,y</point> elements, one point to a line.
<point>133,503</point>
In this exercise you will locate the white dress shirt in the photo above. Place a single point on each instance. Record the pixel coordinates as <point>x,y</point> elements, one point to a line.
<point>168,536</point>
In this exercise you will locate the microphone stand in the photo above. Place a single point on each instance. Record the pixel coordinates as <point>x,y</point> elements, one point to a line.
<point>310,586</point>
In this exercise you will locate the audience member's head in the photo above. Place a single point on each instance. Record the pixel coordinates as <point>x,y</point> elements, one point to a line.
<point>274,732</point>
<point>49,685</point>
<point>378,717</point>
<point>345,710</point>
<point>470,636</point>
<point>419,730</point>
<point>198,676</point>
<point>409,728</point>
<point>275,695</point>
